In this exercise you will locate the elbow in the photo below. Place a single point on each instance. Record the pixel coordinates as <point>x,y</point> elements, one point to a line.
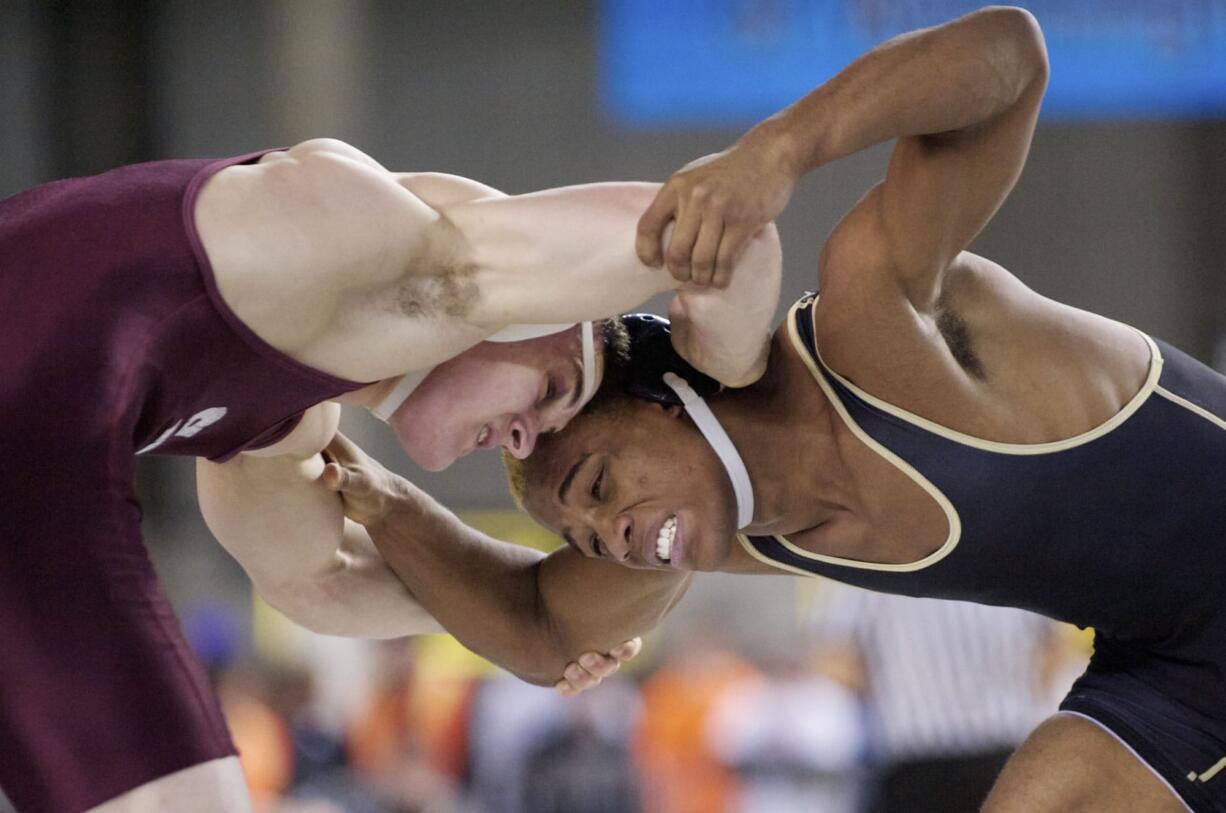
<point>301,602</point>
<point>543,679</point>
<point>1019,31</point>
<point>539,664</point>
<point>1031,45</point>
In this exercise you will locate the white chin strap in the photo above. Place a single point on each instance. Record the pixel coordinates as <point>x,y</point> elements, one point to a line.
<point>710,427</point>
<point>399,393</point>
<point>515,333</point>
<point>589,364</point>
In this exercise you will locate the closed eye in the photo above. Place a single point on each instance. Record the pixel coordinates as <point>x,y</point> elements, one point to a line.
<point>596,485</point>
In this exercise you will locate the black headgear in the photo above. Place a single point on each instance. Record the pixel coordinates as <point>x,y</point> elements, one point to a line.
<point>652,355</point>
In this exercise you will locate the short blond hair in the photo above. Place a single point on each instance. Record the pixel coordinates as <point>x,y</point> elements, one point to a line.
<point>517,480</point>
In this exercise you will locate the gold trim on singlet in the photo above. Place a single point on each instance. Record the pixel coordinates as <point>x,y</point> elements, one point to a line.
<point>951,513</point>
<point>1134,403</point>
<point>1191,407</point>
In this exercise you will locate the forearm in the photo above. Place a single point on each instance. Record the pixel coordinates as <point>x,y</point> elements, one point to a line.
<point>526,612</point>
<point>726,332</point>
<point>927,82</point>
<point>559,255</point>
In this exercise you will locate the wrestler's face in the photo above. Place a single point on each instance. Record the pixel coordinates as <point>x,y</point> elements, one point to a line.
<point>614,480</point>
<point>494,394</point>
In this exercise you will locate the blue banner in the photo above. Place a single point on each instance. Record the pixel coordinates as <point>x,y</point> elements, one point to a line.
<point>717,63</point>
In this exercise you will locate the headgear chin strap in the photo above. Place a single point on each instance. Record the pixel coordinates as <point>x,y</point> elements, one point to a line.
<point>711,429</point>
<point>399,394</point>
<point>515,333</point>
<point>590,383</point>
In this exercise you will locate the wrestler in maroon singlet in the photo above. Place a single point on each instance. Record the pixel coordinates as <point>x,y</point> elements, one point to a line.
<point>113,341</point>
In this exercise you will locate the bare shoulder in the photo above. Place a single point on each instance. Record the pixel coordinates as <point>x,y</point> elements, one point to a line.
<point>991,357</point>
<point>304,229</point>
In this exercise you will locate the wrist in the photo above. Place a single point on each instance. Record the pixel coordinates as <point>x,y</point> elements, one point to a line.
<point>783,143</point>
<point>399,506</point>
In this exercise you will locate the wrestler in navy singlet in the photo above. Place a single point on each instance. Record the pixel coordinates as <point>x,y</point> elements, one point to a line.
<point>1122,529</point>
<point>115,341</point>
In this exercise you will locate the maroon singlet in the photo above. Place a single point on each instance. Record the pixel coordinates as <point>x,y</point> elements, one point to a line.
<point>113,340</point>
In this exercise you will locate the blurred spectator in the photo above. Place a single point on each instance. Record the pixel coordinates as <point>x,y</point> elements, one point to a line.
<point>534,751</point>
<point>586,765</point>
<point>793,736</point>
<point>951,689</point>
<point>216,633</point>
<point>680,773</point>
<point>265,744</point>
<point>409,745</point>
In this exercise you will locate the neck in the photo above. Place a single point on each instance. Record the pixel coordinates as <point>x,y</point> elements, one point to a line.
<point>785,430</point>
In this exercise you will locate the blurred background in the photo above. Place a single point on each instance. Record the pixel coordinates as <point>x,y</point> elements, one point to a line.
<point>760,694</point>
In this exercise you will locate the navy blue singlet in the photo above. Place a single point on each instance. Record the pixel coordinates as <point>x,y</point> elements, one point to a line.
<point>1122,529</point>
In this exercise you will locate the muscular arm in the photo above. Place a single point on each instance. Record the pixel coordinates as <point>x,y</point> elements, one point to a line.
<point>527,612</point>
<point>291,536</point>
<point>355,233</point>
<point>962,99</point>
<point>568,254</point>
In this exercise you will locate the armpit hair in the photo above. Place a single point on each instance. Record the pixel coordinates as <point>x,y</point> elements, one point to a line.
<point>448,292</point>
<point>958,339</point>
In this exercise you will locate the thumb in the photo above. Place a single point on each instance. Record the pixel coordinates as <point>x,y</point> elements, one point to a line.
<point>334,477</point>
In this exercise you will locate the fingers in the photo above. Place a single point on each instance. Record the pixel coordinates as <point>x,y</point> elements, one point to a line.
<point>630,649</point>
<point>352,482</point>
<point>333,477</point>
<point>681,246</point>
<point>590,669</point>
<point>706,249</point>
<point>575,679</point>
<point>731,249</point>
<point>343,450</point>
<point>649,237</point>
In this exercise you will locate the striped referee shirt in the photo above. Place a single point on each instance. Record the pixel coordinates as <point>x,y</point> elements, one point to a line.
<point>945,678</point>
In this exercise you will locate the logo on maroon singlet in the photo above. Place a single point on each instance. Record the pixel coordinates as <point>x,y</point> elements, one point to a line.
<point>189,428</point>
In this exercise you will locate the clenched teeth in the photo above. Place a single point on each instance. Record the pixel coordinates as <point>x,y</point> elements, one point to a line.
<point>664,542</point>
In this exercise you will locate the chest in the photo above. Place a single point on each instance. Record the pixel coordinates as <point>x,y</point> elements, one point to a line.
<point>899,516</point>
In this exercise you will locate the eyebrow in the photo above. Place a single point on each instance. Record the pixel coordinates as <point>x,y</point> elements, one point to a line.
<point>569,478</point>
<point>578,389</point>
